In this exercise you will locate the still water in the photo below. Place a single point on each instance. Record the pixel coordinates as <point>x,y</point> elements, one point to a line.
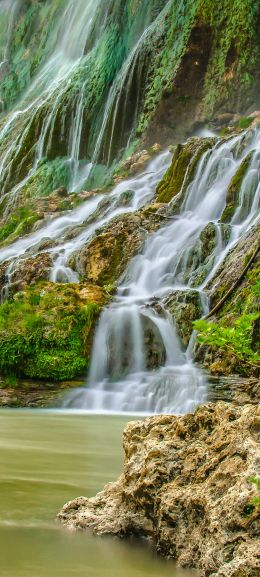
<point>48,458</point>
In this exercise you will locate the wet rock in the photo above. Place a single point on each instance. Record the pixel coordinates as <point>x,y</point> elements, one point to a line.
<point>233,265</point>
<point>185,486</point>
<point>27,271</point>
<point>180,174</point>
<point>235,389</point>
<point>43,244</point>
<point>233,191</point>
<point>135,163</point>
<point>185,307</point>
<point>34,394</point>
<point>104,259</point>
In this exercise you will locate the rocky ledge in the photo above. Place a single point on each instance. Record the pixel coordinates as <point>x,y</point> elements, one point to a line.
<point>186,487</point>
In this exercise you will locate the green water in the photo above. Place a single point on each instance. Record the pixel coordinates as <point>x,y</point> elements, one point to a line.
<point>48,458</point>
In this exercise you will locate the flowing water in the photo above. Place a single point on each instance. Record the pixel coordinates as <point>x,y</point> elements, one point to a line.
<point>48,458</point>
<point>119,376</point>
<point>138,361</point>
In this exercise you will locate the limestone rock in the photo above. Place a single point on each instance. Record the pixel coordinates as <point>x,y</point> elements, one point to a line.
<point>186,486</point>
<point>25,271</point>
<point>185,307</point>
<point>182,169</point>
<point>104,259</point>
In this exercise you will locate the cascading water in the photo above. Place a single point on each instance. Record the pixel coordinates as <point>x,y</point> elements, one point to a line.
<point>64,78</point>
<point>120,377</point>
<point>138,361</point>
<point>93,214</point>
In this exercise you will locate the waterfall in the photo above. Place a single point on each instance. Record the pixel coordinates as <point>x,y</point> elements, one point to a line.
<point>121,377</point>
<point>40,110</point>
<point>139,363</point>
<point>94,213</point>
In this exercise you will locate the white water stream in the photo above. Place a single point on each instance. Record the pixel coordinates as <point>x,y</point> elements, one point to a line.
<point>120,378</point>
<point>121,375</point>
<point>138,362</point>
<point>47,91</point>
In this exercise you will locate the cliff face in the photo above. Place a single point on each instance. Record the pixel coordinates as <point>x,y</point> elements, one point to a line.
<point>185,486</point>
<point>82,85</point>
<point>138,70</point>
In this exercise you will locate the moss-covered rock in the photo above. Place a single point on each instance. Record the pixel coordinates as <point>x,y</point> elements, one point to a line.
<point>24,272</point>
<point>234,189</point>
<point>184,163</point>
<point>104,259</point>
<point>46,331</point>
<point>243,301</point>
<point>233,265</point>
<point>19,222</point>
<point>185,307</point>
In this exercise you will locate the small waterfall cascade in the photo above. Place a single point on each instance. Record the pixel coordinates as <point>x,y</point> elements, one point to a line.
<point>122,376</point>
<point>94,213</point>
<point>139,363</point>
<point>53,111</point>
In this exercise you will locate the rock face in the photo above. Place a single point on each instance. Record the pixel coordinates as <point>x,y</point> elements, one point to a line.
<point>186,487</point>
<point>233,265</point>
<point>104,259</point>
<point>182,169</point>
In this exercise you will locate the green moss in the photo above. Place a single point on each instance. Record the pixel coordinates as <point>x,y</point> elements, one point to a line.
<point>49,176</point>
<point>232,78</point>
<point>46,332</point>
<point>181,172</point>
<point>234,189</point>
<point>245,122</point>
<point>20,222</point>
<point>235,338</point>
<point>229,78</point>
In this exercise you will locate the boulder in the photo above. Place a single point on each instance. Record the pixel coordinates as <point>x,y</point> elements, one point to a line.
<point>104,259</point>
<point>186,486</point>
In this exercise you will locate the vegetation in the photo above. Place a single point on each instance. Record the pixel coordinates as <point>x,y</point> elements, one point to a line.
<point>236,339</point>
<point>236,334</point>
<point>20,222</point>
<point>45,332</point>
<point>256,482</point>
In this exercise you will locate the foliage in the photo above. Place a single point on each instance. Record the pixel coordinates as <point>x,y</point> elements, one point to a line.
<point>236,339</point>
<point>44,333</point>
<point>50,175</point>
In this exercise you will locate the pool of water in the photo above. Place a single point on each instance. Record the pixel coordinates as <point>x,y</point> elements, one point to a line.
<point>48,458</point>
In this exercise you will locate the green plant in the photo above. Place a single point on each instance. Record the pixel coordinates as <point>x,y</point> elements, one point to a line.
<point>46,331</point>
<point>245,122</point>
<point>236,339</point>
<point>256,500</point>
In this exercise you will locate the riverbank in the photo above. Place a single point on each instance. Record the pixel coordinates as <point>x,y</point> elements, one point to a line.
<point>186,487</point>
<point>22,393</point>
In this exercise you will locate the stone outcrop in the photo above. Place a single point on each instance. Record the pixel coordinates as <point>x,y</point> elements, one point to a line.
<point>25,272</point>
<point>104,259</point>
<point>186,486</point>
<point>180,173</point>
<point>185,307</point>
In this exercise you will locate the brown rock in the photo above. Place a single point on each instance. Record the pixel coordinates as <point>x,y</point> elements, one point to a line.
<point>104,259</point>
<point>185,485</point>
<point>25,271</point>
